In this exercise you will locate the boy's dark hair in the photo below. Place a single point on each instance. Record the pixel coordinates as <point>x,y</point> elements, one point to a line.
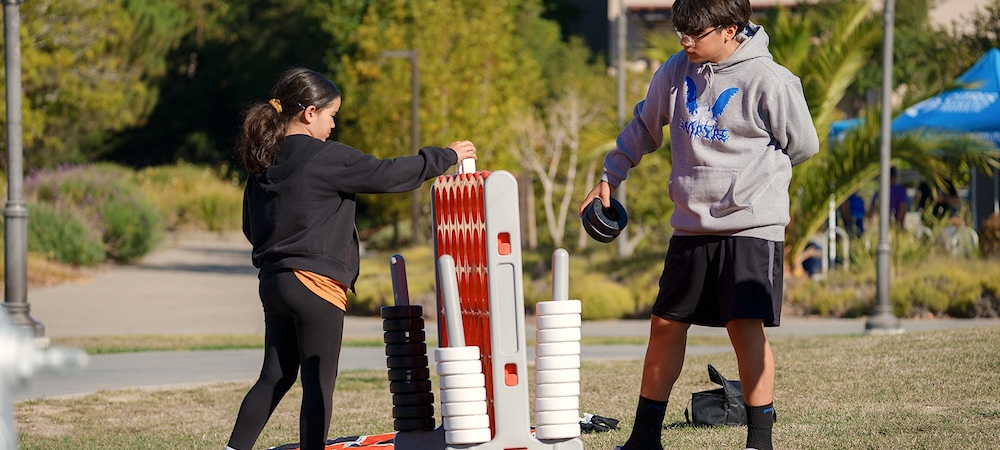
<point>692,17</point>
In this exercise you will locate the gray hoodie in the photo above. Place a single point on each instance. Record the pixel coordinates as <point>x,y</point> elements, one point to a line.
<point>736,129</point>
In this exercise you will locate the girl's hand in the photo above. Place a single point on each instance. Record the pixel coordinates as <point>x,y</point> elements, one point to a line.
<point>464,149</point>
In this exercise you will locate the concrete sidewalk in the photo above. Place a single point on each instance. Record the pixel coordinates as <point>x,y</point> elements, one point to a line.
<point>205,285</point>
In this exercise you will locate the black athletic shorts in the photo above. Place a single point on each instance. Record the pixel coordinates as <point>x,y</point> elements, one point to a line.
<point>710,280</point>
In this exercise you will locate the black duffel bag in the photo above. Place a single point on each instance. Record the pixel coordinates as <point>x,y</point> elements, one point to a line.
<point>717,407</point>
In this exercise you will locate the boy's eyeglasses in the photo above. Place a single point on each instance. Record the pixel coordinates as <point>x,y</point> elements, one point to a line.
<point>688,40</point>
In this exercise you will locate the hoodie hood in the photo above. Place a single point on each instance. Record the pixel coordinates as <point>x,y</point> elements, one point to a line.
<point>753,45</point>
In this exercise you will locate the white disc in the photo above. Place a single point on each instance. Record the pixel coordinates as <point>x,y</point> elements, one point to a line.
<point>455,409</point>
<point>557,348</point>
<point>445,354</point>
<point>557,390</point>
<point>456,423</point>
<point>479,436</point>
<point>558,307</point>
<point>558,417</point>
<point>463,381</point>
<point>463,395</point>
<point>557,362</point>
<point>459,367</point>
<point>557,335</point>
<point>557,321</point>
<point>564,431</point>
<point>557,376</point>
<point>557,403</point>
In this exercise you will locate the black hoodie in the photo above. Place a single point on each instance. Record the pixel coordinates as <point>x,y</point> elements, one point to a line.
<point>299,212</point>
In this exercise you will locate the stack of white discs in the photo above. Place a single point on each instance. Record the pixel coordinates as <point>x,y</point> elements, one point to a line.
<point>463,395</point>
<point>557,369</point>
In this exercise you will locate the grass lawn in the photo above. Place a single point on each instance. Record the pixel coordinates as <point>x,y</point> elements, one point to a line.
<point>919,390</point>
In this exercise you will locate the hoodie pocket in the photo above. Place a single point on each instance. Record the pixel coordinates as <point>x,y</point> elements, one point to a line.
<point>707,195</point>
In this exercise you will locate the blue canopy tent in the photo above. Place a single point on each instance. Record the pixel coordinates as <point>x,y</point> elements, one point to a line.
<point>974,108</point>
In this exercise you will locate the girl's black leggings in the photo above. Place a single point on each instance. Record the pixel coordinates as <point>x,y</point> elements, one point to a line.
<point>301,332</point>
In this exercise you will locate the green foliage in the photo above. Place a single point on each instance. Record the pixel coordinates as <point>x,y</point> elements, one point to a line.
<point>106,201</point>
<point>89,70</point>
<point>839,295</point>
<point>193,197</point>
<point>374,285</point>
<point>131,228</point>
<point>918,49</point>
<point>602,299</point>
<point>948,290</point>
<point>975,35</point>
<point>937,285</point>
<point>60,235</point>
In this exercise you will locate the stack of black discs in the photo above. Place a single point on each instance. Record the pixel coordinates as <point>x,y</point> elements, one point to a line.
<point>604,224</point>
<point>409,377</point>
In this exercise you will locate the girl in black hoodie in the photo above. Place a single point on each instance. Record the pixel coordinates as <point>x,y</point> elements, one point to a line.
<point>298,212</point>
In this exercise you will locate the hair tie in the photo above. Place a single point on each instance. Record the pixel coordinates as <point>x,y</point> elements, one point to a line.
<point>276,104</point>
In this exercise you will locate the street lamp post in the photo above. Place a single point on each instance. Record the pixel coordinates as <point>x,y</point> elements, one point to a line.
<point>621,35</point>
<point>15,214</point>
<point>414,129</point>
<point>883,320</point>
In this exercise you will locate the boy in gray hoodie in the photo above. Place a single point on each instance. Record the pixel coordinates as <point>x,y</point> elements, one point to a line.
<point>738,123</point>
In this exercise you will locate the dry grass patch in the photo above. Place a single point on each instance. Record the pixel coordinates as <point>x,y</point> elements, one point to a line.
<point>916,390</point>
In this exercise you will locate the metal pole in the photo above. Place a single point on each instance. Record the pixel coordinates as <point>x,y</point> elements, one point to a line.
<point>15,214</point>
<point>882,320</point>
<point>411,55</point>
<point>621,33</point>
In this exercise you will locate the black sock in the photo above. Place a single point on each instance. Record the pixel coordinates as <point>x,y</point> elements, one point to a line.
<point>648,423</point>
<point>760,419</point>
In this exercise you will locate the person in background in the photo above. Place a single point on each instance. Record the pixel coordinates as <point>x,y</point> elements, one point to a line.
<point>852,212</point>
<point>899,200</point>
<point>299,213</point>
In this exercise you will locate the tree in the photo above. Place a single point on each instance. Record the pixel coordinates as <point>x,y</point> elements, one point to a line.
<point>230,55</point>
<point>923,59</point>
<point>89,70</point>
<point>481,63</point>
<point>976,35</point>
<point>549,147</point>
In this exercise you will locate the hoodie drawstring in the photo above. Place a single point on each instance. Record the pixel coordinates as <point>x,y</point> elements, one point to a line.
<point>711,72</point>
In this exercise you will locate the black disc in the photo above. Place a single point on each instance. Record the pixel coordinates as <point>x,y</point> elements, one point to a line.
<point>405,349</point>
<point>420,399</point>
<point>413,412</point>
<point>425,424</point>
<point>406,362</point>
<point>409,387</point>
<point>402,312</point>
<point>404,337</point>
<point>608,221</point>
<point>588,226</point>
<point>402,324</point>
<point>417,374</point>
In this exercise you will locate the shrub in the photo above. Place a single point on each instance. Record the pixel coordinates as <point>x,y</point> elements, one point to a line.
<point>61,236</point>
<point>132,228</point>
<point>602,299</point>
<point>193,197</point>
<point>106,200</point>
<point>948,287</point>
<point>375,288</point>
<point>839,295</point>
